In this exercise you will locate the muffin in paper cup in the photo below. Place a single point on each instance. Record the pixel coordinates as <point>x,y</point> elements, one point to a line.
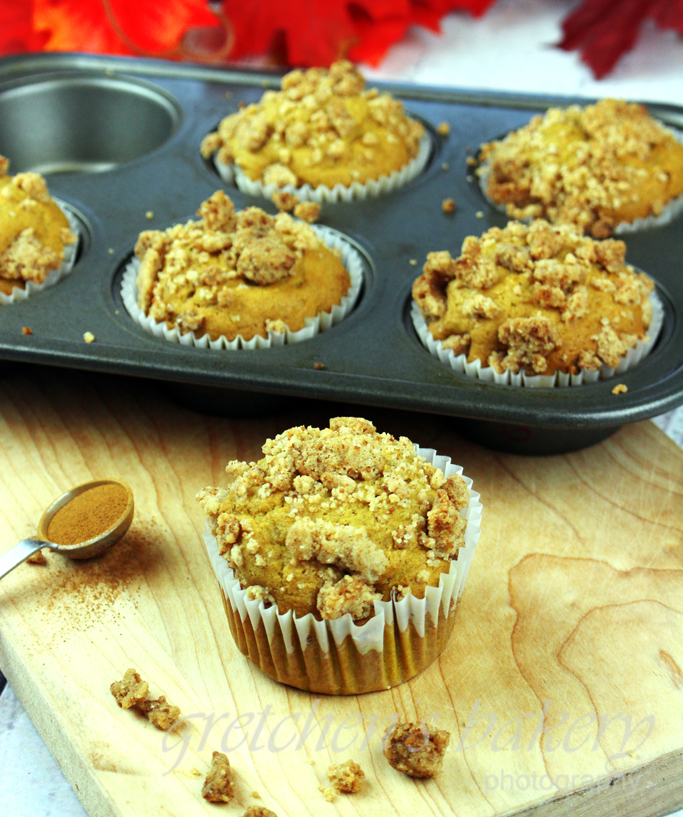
<point>276,332</point>
<point>44,246</point>
<point>323,138</point>
<point>349,641</point>
<point>231,174</point>
<point>536,306</point>
<point>644,192</point>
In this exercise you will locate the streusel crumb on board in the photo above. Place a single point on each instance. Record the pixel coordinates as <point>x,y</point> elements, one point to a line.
<point>259,811</point>
<point>322,128</point>
<point>593,167</point>
<point>237,273</point>
<point>416,749</point>
<point>218,786</point>
<point>33,230</point>
<point>347,777</point>
<point>132,691</point>
<point>332,520</point>
<point>537,298</point>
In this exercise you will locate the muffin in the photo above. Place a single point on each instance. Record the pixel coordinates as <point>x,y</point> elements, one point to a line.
<point>321,130</point>
<point>538,299</point>
<point>236,274</point>
<point>34,231</point>
<point>338,532</point>
<point>597,167</point>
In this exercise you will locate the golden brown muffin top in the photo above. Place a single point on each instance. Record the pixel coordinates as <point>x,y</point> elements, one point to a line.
<point>593,167</point>
<point>331,520</point>
<point>321,128</point>
<point>33,229</point>
<point>235,272</point>
<point>536,298</point>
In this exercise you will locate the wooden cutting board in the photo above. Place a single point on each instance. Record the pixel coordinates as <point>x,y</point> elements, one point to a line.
<point>562,686</point>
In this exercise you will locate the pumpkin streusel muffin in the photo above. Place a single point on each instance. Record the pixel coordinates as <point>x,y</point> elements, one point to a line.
<point>338,532</point>
<point>34,231</point>
<point>595,167</point>
<point>236,274</point>
<point>322,129</point>
<point>538,299</point>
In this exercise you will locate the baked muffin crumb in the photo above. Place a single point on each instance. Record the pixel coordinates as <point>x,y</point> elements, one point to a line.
<point>330,521</point>
<point>259,811</point>
<point>322,128</point>
<point>535,298</point>
<point>417,750</point>
<point>218,786</point>
<point>620,388</point>
<point>592,167</point>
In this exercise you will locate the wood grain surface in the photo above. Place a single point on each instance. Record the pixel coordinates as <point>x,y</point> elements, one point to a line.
<point>562,685</point>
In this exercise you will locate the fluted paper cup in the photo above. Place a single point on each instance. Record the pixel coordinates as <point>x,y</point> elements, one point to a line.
<point>55,275</point>
<point>488,374</point>
<point>231,174</point>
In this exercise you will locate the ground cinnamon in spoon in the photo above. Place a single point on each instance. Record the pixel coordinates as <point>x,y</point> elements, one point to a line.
<point>88,515</point>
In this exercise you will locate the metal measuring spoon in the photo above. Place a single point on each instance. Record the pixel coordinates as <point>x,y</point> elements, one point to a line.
<point>83,550</point>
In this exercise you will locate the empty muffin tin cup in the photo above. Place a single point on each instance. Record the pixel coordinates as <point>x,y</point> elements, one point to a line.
<point>76,123</point>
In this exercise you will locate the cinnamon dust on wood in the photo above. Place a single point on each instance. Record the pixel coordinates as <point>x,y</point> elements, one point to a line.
<point>88,515</point>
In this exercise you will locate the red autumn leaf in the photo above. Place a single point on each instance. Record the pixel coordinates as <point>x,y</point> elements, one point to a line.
<point>119,26</point>
<point>315,32</point>
<point>604,30</point>
<point>16,29</point>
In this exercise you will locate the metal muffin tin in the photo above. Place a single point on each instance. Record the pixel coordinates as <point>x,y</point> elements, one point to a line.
<point>139,124</point>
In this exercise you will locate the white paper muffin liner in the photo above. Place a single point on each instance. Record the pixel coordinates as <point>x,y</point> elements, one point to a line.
<point>298,632</point>
<point>488,374</point>
<point>232,174</point>
<point>670,211</point>
<point>323,321</point>
<point>55,275</point>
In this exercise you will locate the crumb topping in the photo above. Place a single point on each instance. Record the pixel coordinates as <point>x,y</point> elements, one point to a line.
<point>33,230</point>
<point>416,749</point>
<point>347,777</point>
<point>218,786</point>
<point>323,127</point>
<point>593,167</point>
<point>225,273</point>
<point>332,520</point>
<point>133,691</point>
<point>258,811</point>
<point>536,298</point>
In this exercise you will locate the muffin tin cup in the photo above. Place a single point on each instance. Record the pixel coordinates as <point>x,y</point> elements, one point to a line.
<point>488,374</point>
<point>320,323</point>
<point>231,174</point>
<point>670,211</point>
<point>339,657</point>
<point>55,275</point>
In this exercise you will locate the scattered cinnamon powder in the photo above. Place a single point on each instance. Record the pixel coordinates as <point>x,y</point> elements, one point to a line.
<point>88,515</point>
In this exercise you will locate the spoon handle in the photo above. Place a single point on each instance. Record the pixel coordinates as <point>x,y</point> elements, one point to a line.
<point>19,553</point>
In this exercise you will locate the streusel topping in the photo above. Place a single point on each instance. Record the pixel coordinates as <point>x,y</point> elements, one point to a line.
<point>593,167</point>
<point>236,273</point>
<point>536,298</point>
<point>323,127</point>
<point>33,230</point>
<point>332,520</point>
